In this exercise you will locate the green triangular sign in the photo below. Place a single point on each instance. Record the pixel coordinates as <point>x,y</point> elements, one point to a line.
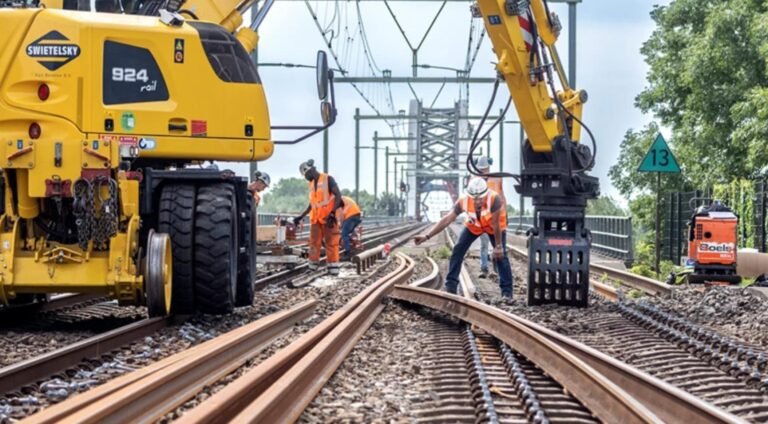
<point>659,158</point>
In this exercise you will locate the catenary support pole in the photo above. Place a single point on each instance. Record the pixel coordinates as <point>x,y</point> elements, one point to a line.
<point>357,155</point>
<point>375,165</point>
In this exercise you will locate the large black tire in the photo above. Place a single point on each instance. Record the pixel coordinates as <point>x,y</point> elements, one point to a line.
<point>216,249</point>
<point>176,217</point>
<point>246,269</point>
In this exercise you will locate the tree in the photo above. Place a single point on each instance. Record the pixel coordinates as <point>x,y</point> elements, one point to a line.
<point>605,206</point>
<point>624,174</point>
<point>708,82</point>
<point>288,195</point>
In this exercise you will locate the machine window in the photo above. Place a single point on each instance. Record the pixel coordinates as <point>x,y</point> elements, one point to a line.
<point>226,55</point>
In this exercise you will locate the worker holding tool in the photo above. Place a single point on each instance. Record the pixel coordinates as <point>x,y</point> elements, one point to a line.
<point>484,216</point>
<point>495,184</point>
<point>324,200</point>
<point>260,183</point>
<point>351,217</point>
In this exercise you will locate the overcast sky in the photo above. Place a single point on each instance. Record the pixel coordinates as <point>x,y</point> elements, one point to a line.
<point>609,66</point>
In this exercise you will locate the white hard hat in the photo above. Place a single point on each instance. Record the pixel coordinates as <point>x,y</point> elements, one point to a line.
<point>483,162</point>
<point>477,187</point>
<point>306,166</point>
<point>263,177</point>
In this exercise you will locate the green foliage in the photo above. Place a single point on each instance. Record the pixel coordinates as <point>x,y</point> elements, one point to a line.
<point>738,195</point>
<point>624,174</point>
<point>441,253</point>
<point>645,260</point>
<point>289,195</point>
<point>635,294</point>
<point>605,206</point>
<point>708,82</point>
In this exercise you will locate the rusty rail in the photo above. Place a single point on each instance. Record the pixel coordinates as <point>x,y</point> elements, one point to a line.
<point>431,281</point>
<point>147,394</point>
<point>34,369</point>
<point>612,390</point>
<point>280,388</point>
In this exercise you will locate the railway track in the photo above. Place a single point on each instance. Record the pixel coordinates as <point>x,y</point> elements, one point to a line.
<point>375,239</point>
<point>662,399</point>
<point>53,368</point>
<point>276,390</point>
<point>592,378</point>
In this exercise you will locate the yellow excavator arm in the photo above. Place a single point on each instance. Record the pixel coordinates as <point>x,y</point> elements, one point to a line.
<point>523,34</point>
<point>555,164</point>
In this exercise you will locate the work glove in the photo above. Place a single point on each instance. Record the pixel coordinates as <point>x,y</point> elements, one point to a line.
<point>297,220</point>
<point>331,221</point>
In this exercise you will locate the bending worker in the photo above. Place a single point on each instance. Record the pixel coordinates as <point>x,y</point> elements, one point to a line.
<point>495,184</point>
<point>324,201</point>
<point>484,216</point>
<point>350,216</point>
<point>260,183</point>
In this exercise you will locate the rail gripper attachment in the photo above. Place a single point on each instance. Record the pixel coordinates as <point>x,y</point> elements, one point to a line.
<point>558,265</point>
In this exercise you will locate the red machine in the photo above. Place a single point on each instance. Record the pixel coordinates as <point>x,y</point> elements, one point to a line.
<point>712,245</point>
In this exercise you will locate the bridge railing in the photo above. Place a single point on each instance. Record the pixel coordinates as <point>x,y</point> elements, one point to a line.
<point>611,235</point>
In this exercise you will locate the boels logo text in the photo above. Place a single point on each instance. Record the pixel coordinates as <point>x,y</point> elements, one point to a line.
<point>716,247</point>
<point>53,51</point>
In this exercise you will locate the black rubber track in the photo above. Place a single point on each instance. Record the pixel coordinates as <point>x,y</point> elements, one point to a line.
<point>246,269</point>
<point>176,217</point>
<point>216,252</point>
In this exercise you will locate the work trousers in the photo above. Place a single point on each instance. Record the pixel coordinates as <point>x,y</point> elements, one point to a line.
<point>347,228</point>
<point>319,233</point>
<point>466,238</point>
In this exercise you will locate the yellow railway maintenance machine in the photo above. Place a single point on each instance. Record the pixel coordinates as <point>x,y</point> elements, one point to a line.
<point>105,122</point>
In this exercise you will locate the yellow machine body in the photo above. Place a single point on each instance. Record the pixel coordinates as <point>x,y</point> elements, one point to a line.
<point>117,88</point>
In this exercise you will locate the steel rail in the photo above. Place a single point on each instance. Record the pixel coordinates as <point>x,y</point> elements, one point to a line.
<point>286,400</point>
<point>285,275</point>
<point>631,395</point>
<point>647,285</point>
<point>55,303</point>
<point>146,396</point>
<point>432,280</point>
<point>34,369</point>
<point>269,393</point>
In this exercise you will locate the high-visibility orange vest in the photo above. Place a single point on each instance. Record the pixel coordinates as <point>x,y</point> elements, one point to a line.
<point>320,199</point>
<point>484,225</point>
<point>350,208</point>
<point>494,183</point>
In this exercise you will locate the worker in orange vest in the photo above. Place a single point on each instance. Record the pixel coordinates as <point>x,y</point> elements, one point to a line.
<point>260,183</point>
<point>324,201</point>
<point>350,215</point>
<point>484,216</point>
<point>494,183</point>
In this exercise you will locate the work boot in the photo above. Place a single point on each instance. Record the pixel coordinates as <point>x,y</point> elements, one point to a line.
<point>507,299</point>
<point>451,290</point>
<point>313,266</point>
<point>483,273</point>
<point>333,269</point>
